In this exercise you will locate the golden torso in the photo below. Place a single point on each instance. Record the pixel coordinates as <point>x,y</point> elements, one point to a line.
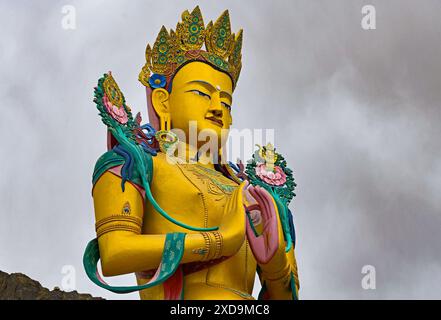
<point>196,195</point>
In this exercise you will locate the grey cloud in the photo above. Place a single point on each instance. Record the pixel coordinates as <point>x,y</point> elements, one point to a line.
<point>356,114</point>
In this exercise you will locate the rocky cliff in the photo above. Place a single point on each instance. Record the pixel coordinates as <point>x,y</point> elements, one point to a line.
<point>17,286</point>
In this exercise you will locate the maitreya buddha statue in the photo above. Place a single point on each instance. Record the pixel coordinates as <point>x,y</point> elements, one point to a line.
<point>189,224</point>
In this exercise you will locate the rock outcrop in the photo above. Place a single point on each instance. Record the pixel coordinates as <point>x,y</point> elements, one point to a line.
<point>17,286</point>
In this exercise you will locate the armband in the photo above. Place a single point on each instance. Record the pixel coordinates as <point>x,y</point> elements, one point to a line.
<point>118,222</point>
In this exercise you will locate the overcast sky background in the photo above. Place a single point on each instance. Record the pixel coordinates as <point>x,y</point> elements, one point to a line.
<point>356,114</point>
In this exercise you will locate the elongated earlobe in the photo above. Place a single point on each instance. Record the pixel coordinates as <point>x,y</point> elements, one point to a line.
<point>160,98</point>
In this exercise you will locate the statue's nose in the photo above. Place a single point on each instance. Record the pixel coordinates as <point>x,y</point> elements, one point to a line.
<point>216,107</point>
<point>217,112</point>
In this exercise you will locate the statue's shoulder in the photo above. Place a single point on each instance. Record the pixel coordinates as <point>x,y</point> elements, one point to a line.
<point>165,162</point>
<point>160,161</point>
<point>130,145</point>
<point>106,162</point>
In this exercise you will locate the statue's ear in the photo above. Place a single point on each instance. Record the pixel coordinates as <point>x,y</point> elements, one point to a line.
<point>160,103</point>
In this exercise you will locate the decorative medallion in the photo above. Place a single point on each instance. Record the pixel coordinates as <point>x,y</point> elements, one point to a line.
<point>113,100</point>
<point>126,209</point>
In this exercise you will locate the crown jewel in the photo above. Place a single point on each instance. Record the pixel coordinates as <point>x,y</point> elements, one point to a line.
<point>173,49</point>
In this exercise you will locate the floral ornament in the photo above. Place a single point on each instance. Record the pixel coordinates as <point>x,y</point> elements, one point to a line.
<point>119,114</point>
<point>157,81</point>
<point>268,169</point>
<point>274,178</point>
<point>113,100</point>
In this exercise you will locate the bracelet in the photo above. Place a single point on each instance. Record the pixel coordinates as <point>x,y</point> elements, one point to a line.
<point>219,244</point>
<point>213,245</point>
<point>207,250</point>
<point>213,248</point>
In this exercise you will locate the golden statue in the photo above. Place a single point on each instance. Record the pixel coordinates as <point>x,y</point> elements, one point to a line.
<point>188,224</point>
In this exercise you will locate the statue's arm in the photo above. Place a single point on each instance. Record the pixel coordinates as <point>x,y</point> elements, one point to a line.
<point>123,249</point>
<point>276,275</point>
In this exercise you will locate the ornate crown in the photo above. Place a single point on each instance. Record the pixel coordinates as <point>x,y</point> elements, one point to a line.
<point>175,48</point>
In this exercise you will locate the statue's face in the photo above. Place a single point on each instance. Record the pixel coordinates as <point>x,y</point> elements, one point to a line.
<point>203,94</point>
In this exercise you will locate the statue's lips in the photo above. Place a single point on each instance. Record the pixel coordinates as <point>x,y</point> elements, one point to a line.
<point>217,121</point>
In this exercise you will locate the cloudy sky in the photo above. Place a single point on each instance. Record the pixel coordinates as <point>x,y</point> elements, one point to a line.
<point>355,112</point>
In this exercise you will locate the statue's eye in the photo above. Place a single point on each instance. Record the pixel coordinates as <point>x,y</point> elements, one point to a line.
<point>202,94</point>
<point>226,105</point>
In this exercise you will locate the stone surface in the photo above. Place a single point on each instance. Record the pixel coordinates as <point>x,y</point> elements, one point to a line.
<point>17,286</point>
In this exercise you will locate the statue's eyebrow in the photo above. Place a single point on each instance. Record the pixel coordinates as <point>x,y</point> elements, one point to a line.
<point>211,87</point>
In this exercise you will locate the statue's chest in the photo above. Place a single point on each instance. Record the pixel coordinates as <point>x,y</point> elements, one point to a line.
<point>190,193</point>
<point>214,188</point>
<point>209,181</point>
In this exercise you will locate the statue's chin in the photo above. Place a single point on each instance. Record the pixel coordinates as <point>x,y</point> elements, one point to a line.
<point>207,132</point>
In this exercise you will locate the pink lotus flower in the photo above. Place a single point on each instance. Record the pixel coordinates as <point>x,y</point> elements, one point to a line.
<point>276,178</point>
<point>117,113</point>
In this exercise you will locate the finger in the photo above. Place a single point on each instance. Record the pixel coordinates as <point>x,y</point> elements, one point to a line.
<point>272,227</point>
<point>254,193</point>
<point>248,198</point>
<point>269,216</point>
<point>267,195</point>
<point>267,203</point>
<point>257,245</point>
<point>262,202</point>
<point>254,206</point>
<point>249,231</point>
<point>248,194</point>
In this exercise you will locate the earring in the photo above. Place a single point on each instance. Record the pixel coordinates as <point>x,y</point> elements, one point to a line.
<point>167,141</point>
<point>165,123</point>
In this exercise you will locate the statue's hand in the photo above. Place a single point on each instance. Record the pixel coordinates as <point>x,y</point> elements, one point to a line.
<point>232,226</point>
<point>262,210</point>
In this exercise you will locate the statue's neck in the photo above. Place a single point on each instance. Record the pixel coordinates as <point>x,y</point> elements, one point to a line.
<point>192,155</point>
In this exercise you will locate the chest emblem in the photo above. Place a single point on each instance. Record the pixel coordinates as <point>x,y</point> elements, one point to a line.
<point>214,181</point>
